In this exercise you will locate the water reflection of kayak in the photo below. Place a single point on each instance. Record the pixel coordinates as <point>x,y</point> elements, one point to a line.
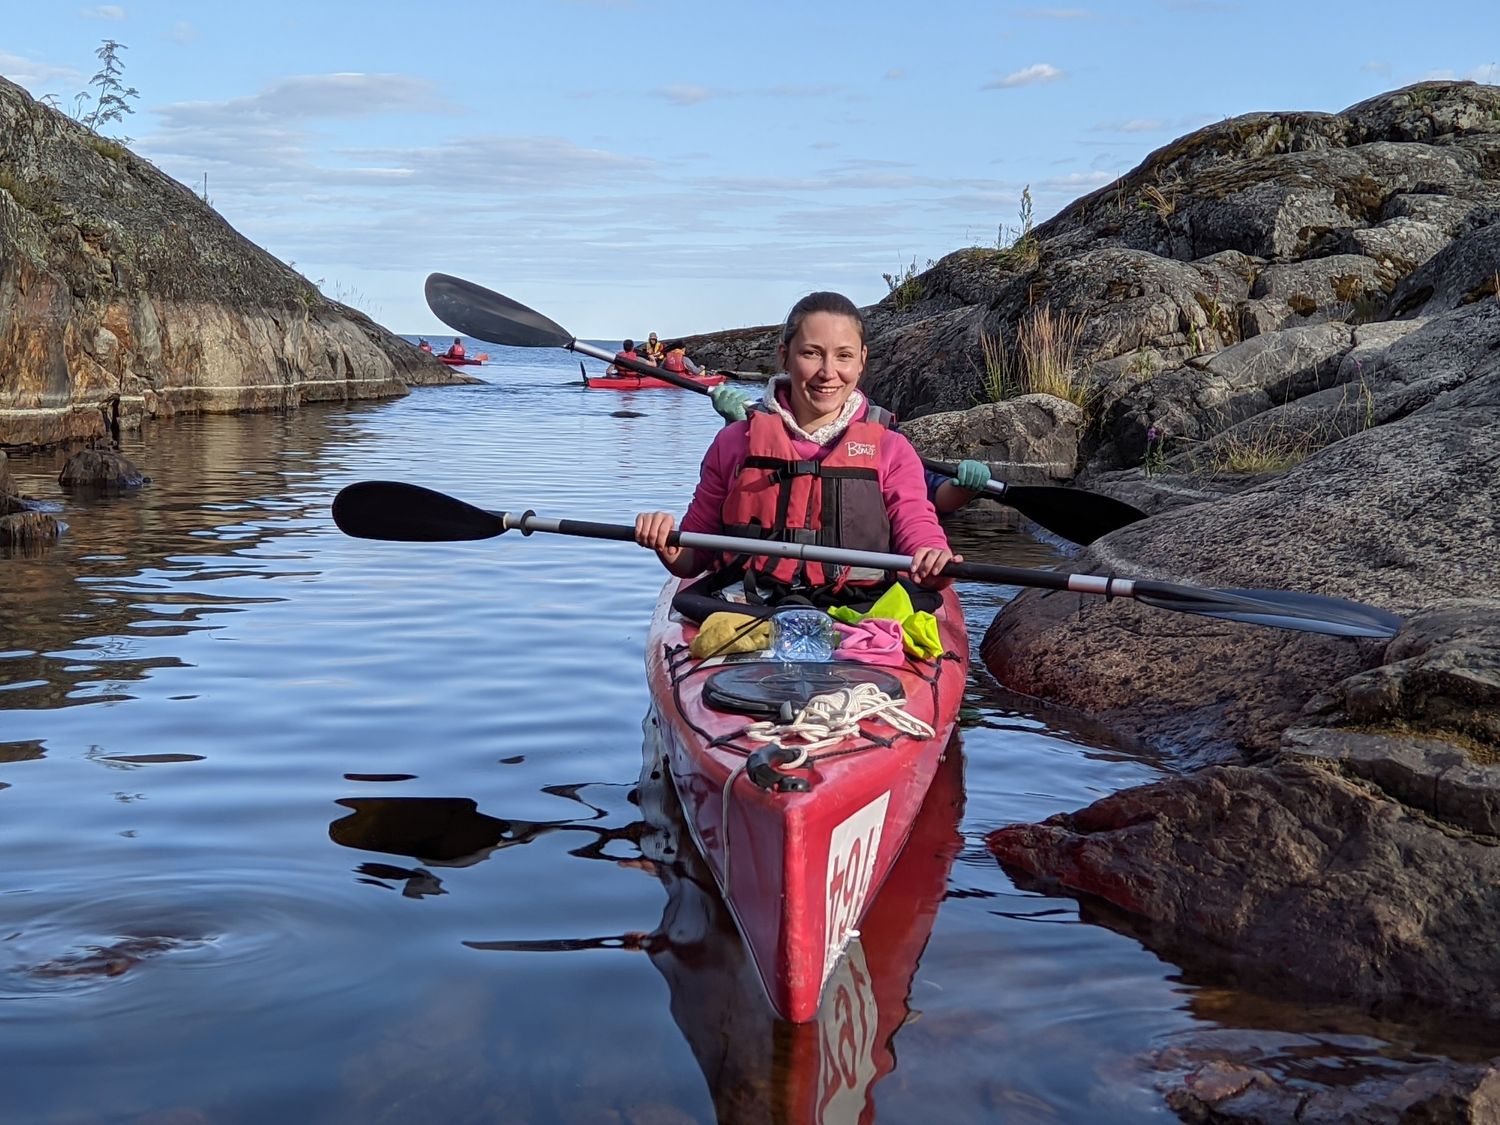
<point>759,1067</point>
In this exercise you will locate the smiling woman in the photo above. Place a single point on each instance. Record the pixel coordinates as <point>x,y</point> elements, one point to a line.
<point>816,462</point>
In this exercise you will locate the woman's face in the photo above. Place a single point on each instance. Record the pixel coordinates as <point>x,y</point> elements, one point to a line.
<point>825,360</point>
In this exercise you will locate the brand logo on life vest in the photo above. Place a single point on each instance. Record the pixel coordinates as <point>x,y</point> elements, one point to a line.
<point>860,449</point>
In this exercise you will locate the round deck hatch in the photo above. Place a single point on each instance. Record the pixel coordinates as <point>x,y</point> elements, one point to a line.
<point>762,687</point>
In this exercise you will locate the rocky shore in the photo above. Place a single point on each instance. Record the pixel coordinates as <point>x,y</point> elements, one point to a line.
<point>123,295</point>
<point>1288,336</point>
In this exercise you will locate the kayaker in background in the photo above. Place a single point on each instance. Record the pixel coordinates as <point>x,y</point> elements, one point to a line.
<point>755,478</point>
<point>676,360</point>
<point>423,345</point>
<point>456,349</point>
<point>654,352</point>
<point>948,494</point>
<point>626,352</point>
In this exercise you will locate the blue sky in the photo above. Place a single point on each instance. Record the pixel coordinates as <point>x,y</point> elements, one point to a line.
<point>628,165</point>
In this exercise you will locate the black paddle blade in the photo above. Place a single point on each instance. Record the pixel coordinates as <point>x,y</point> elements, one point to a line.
<point>409,513</point>
<point>1078,516</point>
<point>473,310</point>
<point>1281,609</point>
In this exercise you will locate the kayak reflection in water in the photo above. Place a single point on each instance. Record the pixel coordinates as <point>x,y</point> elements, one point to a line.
<point>758,1067</point>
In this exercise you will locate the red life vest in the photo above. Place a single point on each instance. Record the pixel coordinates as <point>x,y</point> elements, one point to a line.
<point>674,362</point>
<point>620,369</point>
<point>833,501</point>
<point>456,351</point>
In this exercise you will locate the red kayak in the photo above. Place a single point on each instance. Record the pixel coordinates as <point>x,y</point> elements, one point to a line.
<point>758,1068</point>
<point>799,852</point>
<point>462,361</point>
<point>645,382</point>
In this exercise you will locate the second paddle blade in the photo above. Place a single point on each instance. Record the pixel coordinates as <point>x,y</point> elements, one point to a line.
<point>409,513</point>
<point>486,315</point>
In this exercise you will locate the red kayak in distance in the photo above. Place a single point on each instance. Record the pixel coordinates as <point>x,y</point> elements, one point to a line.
<point>463,361</point>
<point>646,382</point>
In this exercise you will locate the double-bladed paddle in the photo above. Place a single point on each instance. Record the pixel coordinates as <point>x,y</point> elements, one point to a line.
<point>393,510</point>
<point>473,310</point>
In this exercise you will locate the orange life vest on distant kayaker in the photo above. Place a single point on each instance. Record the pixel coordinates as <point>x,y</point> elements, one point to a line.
<point>674,362</point>
<point>456,351</point>
<point>834,501</point>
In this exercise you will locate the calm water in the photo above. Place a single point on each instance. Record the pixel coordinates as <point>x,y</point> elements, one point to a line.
<point>300,828</point>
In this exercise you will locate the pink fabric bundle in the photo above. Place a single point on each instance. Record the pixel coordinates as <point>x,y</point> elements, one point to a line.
<point>875,640</point>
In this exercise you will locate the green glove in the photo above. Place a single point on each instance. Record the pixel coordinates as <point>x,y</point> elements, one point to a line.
<point>973,475</point>
<point>729,403</point>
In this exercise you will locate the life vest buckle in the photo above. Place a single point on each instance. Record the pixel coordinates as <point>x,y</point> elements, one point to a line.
<point>797,469</point>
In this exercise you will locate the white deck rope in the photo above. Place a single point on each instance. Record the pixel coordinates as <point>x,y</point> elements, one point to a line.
<point>830,718</point>
<point>823,721</point>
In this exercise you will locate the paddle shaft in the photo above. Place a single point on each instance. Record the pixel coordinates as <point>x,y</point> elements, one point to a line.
<point>526,523</point>
<point>409,513</point>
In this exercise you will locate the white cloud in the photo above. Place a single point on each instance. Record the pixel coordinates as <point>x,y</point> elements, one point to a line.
<point>1027,76</point>
<point>103,12</point>
<point>312,96</point>
<point>1134,125</point>
<point>32,74</point>
<point>183,32</point>
<point>791,90</point>
<point>684,94</point>
<point>1077,181</point>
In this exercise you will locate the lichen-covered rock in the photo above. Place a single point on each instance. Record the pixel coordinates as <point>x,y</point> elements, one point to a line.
<point>1290,876</point>
<point>1401,513</point>
<point>123,295</point>
<point>1032,439</point>
<point>1463,272</point>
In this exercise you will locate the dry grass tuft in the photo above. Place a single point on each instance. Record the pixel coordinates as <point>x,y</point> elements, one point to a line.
<point>1044,360</point>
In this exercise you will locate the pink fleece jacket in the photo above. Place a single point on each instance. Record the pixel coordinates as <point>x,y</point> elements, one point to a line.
<point>914,522</point>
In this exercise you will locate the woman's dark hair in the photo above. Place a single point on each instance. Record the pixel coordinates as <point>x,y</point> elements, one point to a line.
<point>821,302</point>
<point>629,346</point>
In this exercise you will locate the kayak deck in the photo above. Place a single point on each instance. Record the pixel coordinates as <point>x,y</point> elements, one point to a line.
<point>800,863</point>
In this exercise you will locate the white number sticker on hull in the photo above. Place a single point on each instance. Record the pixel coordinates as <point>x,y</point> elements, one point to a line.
<point>852,848</point>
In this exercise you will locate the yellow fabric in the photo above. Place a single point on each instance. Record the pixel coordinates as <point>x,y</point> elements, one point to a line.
<point>919,636</point>
<point>894,604</point>
<point>919,629</point>
<point>714,635</point>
